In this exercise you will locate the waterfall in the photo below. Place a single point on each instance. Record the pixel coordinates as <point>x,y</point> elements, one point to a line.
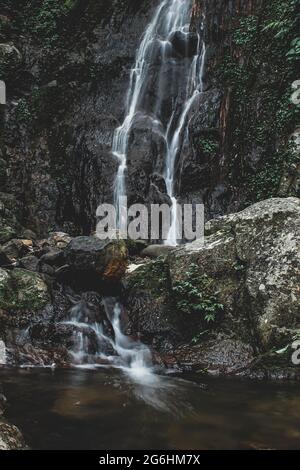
<point>171,18</point>
<point>93,347</point>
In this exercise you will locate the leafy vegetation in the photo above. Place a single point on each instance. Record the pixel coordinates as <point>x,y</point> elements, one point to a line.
<point>195,294</point>
<point>23,113</point>
<point>246,34</point>
<point>259,68</point>
<point>44,19</point>
<point>208,146</point>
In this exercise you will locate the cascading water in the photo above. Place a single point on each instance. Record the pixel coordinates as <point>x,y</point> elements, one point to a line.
<point>92,346</point>
<point>172,17</point>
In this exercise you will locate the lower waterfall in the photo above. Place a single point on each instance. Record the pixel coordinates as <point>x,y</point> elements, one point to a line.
<point>93,347</point>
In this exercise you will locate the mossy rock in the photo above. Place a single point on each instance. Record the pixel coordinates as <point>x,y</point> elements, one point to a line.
<point>152,276</point>
<point>22,290</point>
<point>6,233</point>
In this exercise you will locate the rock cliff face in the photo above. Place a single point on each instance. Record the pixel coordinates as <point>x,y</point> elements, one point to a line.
<point>67,68</point>
<point>64,102</point>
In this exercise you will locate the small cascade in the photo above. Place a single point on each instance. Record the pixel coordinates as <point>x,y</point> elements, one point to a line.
<point>89,343</point>
<point>95,345</point>
<point>167,41</point>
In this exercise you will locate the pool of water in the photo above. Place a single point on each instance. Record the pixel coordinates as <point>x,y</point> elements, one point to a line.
<point>105,409</point>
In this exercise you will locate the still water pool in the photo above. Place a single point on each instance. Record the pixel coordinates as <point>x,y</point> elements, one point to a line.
<point>105,409</point>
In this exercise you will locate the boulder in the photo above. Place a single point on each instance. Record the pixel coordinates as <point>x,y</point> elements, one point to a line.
<point>17,248</point>
<point>29,262</point>
<point>251,262</point>
<point>4,260</point>
<point>6,233</point>
<point>107,259</point>
<point>59,239</point>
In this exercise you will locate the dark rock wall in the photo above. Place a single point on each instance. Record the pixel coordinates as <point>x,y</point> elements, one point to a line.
<point>238,150</point>
<point>66,91</point>
<point>64,102</point>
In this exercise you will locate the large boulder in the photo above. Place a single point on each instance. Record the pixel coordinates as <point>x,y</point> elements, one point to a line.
<point>246,275</point>
<point>107,259</point>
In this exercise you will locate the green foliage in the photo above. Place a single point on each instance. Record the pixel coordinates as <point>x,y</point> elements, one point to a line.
<point>23,113</point>
<point>208,146</point>
<point>259,69</point>
<point>283,19</point>
<point>294,52</point>
<point>195,294</point>
<point>47,20</point>
<point>246,34</point>
<point>199,337</point>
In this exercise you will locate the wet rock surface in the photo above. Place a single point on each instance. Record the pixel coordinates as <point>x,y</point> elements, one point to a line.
<point>40,292</point>
<point>251,259</point>
<point>107,259</point>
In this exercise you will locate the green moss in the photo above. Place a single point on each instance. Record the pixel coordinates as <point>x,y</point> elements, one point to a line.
<point>22,290</point>
<point>6,233</point>
<point>47,19</point>
<point>209,146</point>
